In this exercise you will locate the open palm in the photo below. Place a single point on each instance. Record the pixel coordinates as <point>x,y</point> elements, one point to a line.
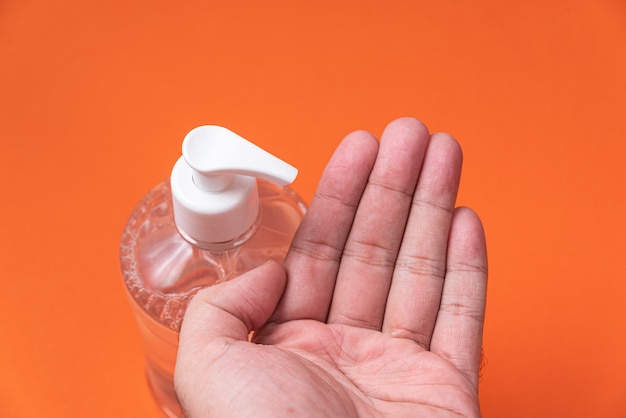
<point>378,310</point>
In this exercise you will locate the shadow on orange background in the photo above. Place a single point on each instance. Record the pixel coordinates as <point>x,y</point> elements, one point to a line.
<point>95,99</point>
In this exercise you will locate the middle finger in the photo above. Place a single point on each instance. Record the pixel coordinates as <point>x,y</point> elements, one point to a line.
<point>372,247</point>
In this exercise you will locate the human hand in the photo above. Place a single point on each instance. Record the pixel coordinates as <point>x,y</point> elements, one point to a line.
<point>379,308</point>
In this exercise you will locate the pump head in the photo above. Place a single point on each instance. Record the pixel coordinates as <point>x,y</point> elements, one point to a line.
<point>214,189</point>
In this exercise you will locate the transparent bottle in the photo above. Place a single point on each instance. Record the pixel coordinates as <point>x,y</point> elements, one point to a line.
<point>167,253</point>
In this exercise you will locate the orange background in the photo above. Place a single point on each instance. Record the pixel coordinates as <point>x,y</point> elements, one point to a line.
<point>96,96</point>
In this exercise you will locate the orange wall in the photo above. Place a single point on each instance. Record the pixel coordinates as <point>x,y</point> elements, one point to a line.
<point>95,97</point>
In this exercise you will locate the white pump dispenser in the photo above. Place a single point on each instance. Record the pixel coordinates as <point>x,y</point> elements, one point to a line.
<point>214,188</point>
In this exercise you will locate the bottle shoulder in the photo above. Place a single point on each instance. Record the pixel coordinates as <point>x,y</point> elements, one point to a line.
<point>282,208</point>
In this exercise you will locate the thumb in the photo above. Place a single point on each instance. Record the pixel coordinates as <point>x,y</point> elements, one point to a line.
<point>230,310</point>
<point>218,317</point>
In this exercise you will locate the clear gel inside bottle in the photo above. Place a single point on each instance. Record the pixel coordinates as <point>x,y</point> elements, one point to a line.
<point>162,271</point>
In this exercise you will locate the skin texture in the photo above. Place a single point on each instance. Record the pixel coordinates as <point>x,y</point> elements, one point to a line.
<point>378,309</point>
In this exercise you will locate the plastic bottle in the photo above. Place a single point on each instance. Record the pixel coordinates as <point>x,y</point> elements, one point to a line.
<point>226,209</point>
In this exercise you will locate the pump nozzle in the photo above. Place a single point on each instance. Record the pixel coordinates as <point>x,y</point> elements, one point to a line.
<point>214,184</point>
<point>215,153</point>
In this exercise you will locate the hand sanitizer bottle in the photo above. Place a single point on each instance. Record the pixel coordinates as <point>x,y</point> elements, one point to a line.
<point>226,209</point>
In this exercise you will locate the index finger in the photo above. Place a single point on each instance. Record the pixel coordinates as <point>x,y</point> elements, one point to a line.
<point>313,259</point>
